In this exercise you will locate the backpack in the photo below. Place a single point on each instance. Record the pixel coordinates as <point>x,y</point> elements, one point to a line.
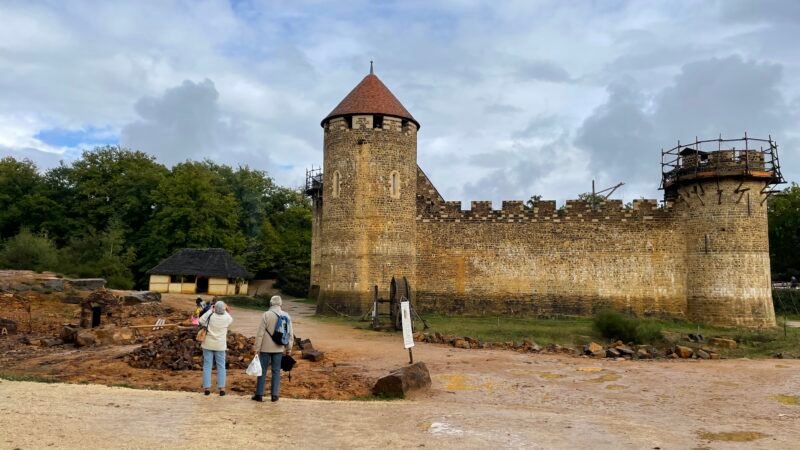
<point>280,335</point>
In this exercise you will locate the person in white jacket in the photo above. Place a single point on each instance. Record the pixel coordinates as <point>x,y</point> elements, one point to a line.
<point>270,353</point>
<point>217,320</point>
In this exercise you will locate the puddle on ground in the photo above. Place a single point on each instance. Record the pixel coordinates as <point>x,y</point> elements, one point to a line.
<point>589,369</point>
<point>550,376</point>
<point>792,400</point>
<point>732,436</point>
<point>461,383</point>
<point>616,387</point>
<point>444,428</point>
<point>605,378</point>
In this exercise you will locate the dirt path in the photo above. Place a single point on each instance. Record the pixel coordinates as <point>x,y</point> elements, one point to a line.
<point>479,398</point>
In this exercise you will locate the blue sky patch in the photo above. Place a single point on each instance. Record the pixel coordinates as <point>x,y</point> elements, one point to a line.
<point>61,137</point>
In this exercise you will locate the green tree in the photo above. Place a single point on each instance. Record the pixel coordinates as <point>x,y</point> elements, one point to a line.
<point>27,251</point>
<point>784,232</point>
<point>294,258</point>
<point>103,255</point>
<point>533,201</point>
<point>112,183</point>
<point>594,200</point>
<point>24,202</point>
<point>193,208</point>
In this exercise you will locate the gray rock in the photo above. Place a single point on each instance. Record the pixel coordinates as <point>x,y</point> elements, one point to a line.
<point>401,382</point>
<point>624,350</point>
<point>56,284</point>
<point>135,298</point>
<point>89,284</point>
<point>313,355</point>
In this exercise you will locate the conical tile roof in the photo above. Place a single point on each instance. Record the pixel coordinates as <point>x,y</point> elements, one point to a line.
<point>371,96</point>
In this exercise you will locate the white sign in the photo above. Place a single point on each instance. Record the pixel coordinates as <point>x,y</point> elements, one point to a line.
<point>408,335</point>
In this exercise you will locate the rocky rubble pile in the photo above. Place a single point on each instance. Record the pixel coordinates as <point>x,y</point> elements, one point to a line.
<point>617,350</point>
<point>178,350</point>
<point>524,346</point>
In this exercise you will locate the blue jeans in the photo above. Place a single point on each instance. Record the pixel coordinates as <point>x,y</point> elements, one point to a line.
<point>272,360</point>
<point>219,358</point>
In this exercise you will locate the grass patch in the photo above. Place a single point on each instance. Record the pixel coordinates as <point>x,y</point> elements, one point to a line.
<point>29,378</point>
<point>573,331</point>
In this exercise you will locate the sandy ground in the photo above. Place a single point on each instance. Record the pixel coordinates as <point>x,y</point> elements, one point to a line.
<point>479,398</point>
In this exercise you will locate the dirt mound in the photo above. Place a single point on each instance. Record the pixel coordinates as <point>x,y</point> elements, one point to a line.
<point>178,350</point>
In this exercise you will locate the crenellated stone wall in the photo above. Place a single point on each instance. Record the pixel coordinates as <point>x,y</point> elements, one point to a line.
<point>543,260</point>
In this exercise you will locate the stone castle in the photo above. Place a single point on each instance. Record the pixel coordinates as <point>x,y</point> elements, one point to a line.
<point>702,255</point>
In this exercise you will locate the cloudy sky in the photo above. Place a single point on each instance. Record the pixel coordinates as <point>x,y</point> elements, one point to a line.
<point>515,98</point>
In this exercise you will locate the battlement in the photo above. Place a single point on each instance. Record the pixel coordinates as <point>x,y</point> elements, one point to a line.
<point>517,211</point>
<point>375,122</point>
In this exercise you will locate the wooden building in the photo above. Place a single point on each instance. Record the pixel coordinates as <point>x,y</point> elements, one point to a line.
<point>200,271</point>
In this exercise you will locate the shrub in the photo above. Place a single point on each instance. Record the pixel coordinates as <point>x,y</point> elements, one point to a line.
<point>613,325</point>
<point>28,251</point>
<point>617,326</point>
<point>648,332</point>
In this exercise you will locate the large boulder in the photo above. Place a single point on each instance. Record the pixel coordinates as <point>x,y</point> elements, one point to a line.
<point>135,298</point>
<point>313,355</point>
<point>403,381</point>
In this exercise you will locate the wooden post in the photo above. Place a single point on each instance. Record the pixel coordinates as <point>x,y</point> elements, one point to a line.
<point>410,357</point>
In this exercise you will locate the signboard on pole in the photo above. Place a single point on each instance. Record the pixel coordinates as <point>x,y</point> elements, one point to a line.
<point>405,315</point>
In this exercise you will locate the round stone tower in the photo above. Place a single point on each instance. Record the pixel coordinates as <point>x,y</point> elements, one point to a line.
<point>368,207</point>
<point>721,196</point>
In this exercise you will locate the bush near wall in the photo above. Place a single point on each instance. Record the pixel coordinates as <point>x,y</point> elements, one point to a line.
<point>786,301</point>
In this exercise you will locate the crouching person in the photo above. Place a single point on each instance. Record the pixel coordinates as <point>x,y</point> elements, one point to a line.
<point>216,320</point>
<point>274,337</point>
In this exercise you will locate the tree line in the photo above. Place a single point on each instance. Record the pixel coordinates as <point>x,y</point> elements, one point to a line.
<point>115,213</point>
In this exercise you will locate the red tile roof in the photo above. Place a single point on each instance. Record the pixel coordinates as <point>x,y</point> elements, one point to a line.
<point>371,96</point>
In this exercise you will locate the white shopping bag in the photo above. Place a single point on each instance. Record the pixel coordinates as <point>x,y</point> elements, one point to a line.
<point>254,369</point>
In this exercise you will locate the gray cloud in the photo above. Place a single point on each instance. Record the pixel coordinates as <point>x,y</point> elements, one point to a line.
<point>762,10</point>
<point>725,96</point>
<point>184,123</point>
<point>542,71</point>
